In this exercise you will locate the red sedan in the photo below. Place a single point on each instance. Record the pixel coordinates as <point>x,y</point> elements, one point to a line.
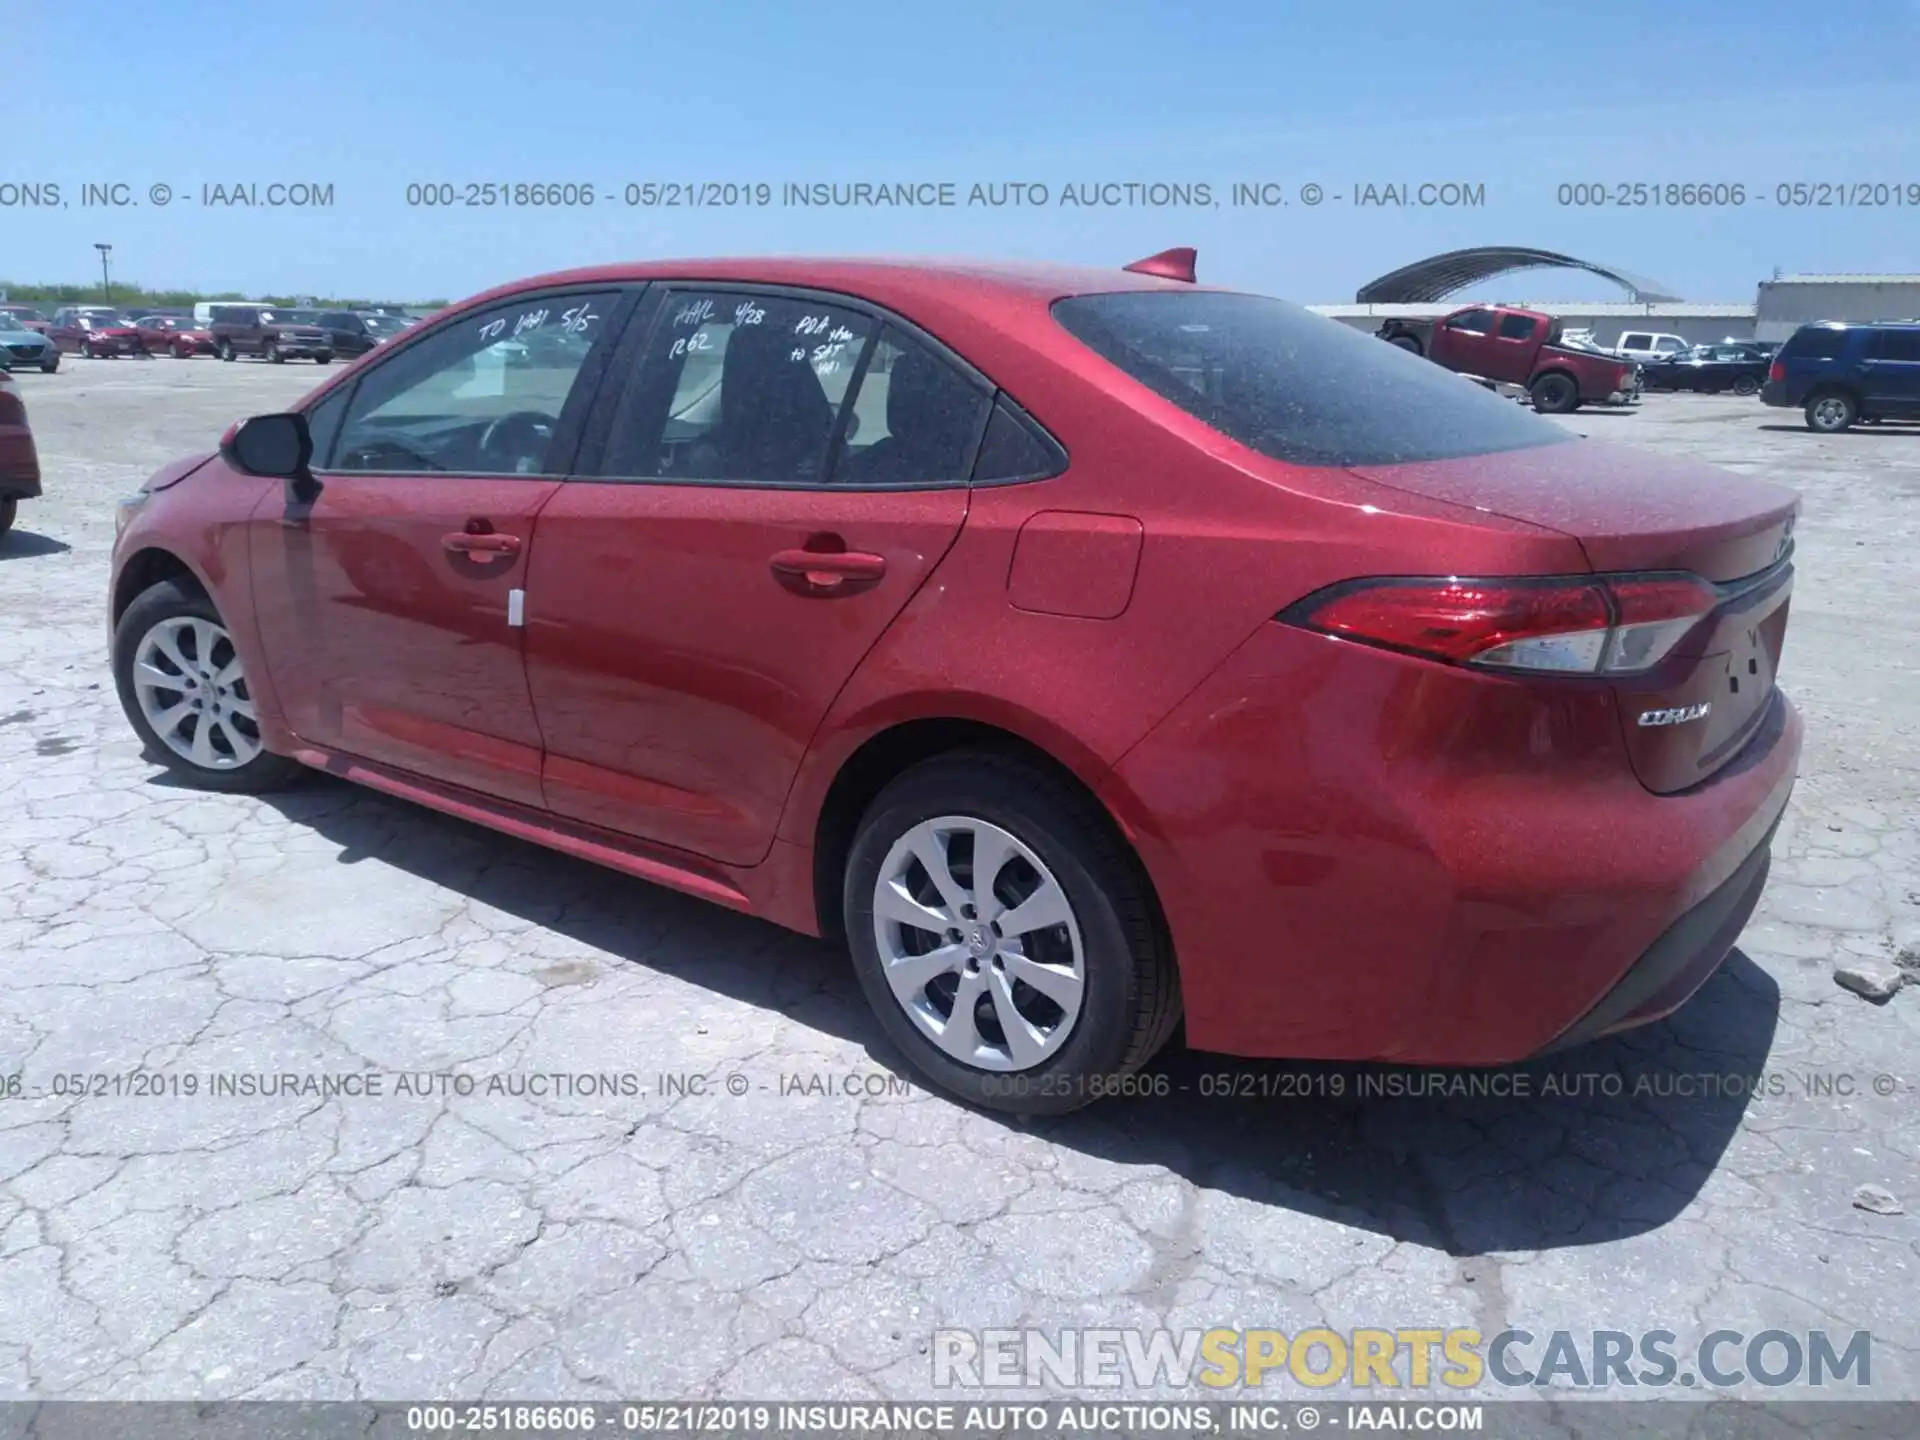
<point>1086,649</point>
<point>97,334</point>
<point>173,335</point>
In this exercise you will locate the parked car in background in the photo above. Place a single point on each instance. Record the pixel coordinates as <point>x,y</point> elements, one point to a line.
<point>21,348</point>
<point>1519,347</point>
<point>265,331</point>
<point>94,332</point>
<point>1427,731</point>
<point>19,461</point>
<point>174,335</point>
<point>1709,369</point>
<point>27,317</point>
<point>354,332</point>
<point>1649,345</point>
<point>1841,374</point>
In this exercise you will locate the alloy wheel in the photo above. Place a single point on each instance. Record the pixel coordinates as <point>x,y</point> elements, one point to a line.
<point>1830,412</point>
<point>190,687</point>
<point>979,943</point>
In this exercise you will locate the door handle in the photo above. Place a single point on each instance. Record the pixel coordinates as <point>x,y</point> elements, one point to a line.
<point>461,542</point>
<point>827,572</point>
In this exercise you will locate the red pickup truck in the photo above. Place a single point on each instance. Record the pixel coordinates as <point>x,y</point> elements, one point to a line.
<point>1519,347</point>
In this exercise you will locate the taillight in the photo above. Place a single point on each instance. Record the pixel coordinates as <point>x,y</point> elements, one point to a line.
<point>1572,625</point>
<point>1777,372</point>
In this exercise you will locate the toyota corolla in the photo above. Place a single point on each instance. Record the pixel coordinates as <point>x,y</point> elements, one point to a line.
<point>1088,650</point>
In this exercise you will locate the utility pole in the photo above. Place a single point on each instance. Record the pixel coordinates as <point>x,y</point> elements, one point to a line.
<point>106,284</point>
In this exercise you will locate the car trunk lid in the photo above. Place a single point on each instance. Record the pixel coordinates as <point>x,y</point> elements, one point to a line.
<point>1636,512</point>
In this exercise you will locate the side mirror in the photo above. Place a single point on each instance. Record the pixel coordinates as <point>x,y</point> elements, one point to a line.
<point>277,446</point>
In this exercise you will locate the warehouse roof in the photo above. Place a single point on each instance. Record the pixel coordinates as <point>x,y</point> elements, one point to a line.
<point>1438,276</point>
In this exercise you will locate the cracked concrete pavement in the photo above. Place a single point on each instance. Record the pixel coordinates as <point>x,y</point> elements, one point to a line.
<point>774,1244</point>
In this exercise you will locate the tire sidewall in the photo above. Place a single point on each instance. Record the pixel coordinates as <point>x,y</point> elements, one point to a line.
<point>165,601</point>
<point>1813,404</point>
<point>1103,1027</point>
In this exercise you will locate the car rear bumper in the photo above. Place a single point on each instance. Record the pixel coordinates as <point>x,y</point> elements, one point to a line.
<point>1683,959</point>
<point>1774,392</point>
<point>1363,856</point>
<point>19,464</point>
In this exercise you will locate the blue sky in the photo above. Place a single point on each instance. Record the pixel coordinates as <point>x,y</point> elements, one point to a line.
<point>372,95</point>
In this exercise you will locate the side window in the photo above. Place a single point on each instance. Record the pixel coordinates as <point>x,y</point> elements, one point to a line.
<point>1894,345</point>
<point>1517,327</point>
<point>1472,322</point>
<point>915,419</point>
<point>1631,341</point>
<point>483,395</point>
<point>1014,448</point>
<point>335,320</point>
<point>1816,342</point>
<point>323,423</point>
<point>737,387</point>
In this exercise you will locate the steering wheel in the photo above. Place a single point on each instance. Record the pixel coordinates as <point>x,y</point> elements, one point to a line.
<point>518,441</point>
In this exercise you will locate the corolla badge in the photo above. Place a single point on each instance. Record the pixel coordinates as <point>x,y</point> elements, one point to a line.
<point>1679,715</point>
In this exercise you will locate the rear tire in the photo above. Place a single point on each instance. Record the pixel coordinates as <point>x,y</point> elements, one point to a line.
<point>1746,385</point>
<point>1831,411</point>
<point>47,367</point>
<point>212,698</point>
<point>325,357</point>
<point>1555,394</point>
<point>1058,848</point>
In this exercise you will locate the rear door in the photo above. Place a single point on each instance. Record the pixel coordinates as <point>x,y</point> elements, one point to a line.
<point>782,473</point>
<point>1891,372</point>
<point>1511,348</point>
<point>390,606</point>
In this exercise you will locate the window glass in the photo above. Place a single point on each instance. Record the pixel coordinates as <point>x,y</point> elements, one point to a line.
<point>1894,345</point>
<point>1516,327</point>
<point>1295,386</point>
<point>481,396</point>
<point>323,423</point>
<point>1014,450</point>
<point>914,421</point>
<point>1818,342</point>
<point>738,387</point>
<point>1474,322</point>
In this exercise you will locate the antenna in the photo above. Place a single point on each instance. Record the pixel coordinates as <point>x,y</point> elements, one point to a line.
<point>1174,264</point>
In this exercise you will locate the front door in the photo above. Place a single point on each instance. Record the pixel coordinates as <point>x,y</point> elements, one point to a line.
<point>781,476</point>
<point>1462,340</point>
<point>390,606</point>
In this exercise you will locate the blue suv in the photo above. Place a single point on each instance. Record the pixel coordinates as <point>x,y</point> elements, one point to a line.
<point>1839,374</point>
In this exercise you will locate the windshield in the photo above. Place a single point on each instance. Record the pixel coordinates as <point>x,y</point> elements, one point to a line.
<point>1296,386</point>
<point>384,324</point>
<point>21,317</point>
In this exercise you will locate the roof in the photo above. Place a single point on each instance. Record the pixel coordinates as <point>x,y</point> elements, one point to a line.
<point>1438,276</point>
<point>1843,280</point>
<point>879,278</point>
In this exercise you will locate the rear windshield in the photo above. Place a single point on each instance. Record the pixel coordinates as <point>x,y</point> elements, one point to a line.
<point>1817,341</point>
<point>1294,385</point>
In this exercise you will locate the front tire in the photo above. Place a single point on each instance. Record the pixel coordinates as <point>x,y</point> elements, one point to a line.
<point>86,350</point>
<point>272,352</point>
<point>325,357</point>
<point>47,367</point>
<point>224,350</point>
<point>184,690</point>
<point>1406,342</point>
<point>1831,411</point>
<point>1029,990</point>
